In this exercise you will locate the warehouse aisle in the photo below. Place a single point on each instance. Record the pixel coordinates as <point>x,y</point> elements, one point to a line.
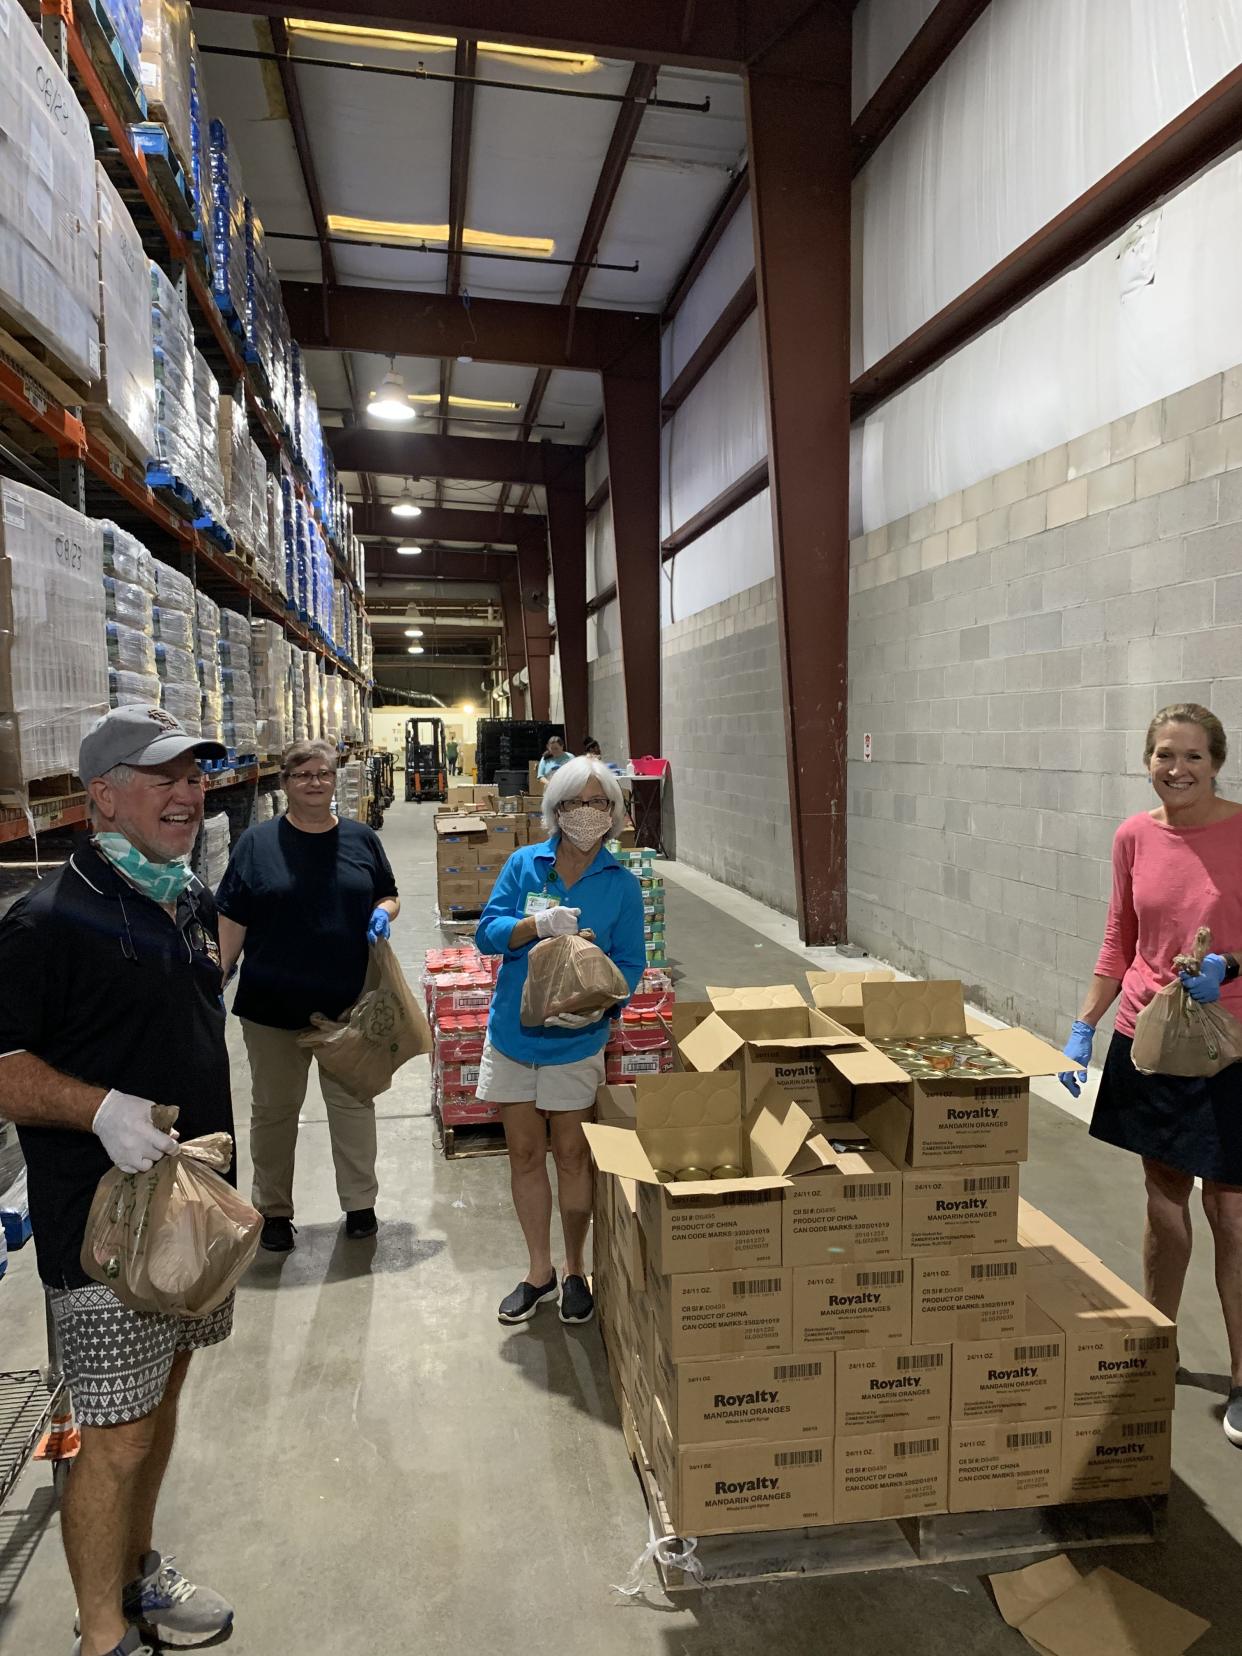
<point>374,1464</point>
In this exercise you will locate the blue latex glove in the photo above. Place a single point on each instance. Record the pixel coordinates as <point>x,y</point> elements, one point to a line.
<point>1204,986</point>
<point>1078,1049</point>
<point>379,925</point>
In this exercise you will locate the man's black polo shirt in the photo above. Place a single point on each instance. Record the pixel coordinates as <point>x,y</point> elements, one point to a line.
<point>97,981</point>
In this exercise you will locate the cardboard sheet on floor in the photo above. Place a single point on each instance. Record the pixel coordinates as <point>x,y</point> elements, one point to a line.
<point>1060,1613</point>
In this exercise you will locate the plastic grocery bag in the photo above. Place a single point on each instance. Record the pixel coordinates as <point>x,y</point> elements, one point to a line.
<point>176,1239</point>
<point>1175,1035</point>
<point>383,1029</point>
<point>569,974</point>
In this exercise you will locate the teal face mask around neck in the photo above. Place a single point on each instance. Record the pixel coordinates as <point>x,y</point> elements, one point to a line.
<point>162,882</point>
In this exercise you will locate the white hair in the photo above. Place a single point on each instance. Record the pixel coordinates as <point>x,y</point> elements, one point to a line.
<point>120,776</point>
<point>569,781</point>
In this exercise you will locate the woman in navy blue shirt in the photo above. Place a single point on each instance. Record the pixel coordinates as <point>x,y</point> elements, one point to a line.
<point>567,884</point>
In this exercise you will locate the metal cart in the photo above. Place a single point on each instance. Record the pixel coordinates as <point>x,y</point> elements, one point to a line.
<point>31,1400</point>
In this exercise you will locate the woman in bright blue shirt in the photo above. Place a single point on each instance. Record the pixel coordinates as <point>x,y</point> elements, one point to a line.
<point>554,758</point>
<point>569,883</point>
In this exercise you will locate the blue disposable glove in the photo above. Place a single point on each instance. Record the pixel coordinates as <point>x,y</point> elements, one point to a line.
<point>1078,1049</point>
<point>1204,985</point>
<point>379,925</point>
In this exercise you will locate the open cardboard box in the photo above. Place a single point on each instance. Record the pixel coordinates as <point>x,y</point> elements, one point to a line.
<point>685,1119</point>
<point>771,1035</point>
<point>949,1123</point>
<point>839,994</point>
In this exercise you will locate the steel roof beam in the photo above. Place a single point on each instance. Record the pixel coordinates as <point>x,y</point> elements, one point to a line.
<point>488,528</point>
<point>945,28</point>
<point>475,459</point>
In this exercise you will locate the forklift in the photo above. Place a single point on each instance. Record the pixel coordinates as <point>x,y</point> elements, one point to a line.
<point>381,788</point>
<point>426,760</point>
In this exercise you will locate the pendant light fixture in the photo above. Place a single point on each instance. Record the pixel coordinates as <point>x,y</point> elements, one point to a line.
<point>407,506</point>
<point>391,401</point>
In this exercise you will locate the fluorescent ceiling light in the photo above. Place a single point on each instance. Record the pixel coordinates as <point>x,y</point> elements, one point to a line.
<point>413,632</point>
<point>465,402</point>
<point>405,40</point>
<point>391,401</point>
<point>409,551</point>
<point>415,649</point>
<point>437,235</point>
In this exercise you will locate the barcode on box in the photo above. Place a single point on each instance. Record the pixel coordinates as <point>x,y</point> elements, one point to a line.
<point>1148,1342</point>
<point>915,1360</point>
<point>469,1075</point>
<point>918,1446</point>
<point>646,1064</point>
<point>1035,1353</point>
<point>1144,1428</point>
<point>763,1285</point>
<point>1002,1268</point>
<point>1027,1440</point>
<point>798,1457</point>
<point>1001,1092</point>
<point>743,1198</point>
<point>881,1279</point>
<point>991,1181</point>
<point>867,1192</point>
<point>797,1371</point>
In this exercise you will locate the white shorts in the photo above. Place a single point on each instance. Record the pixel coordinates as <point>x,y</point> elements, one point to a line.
<point>548,1086</point>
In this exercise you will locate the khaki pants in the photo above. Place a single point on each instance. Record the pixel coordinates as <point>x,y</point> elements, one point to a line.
<point>278,1072</point>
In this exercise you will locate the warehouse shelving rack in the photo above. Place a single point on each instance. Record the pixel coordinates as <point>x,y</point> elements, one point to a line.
<point>48,435</point>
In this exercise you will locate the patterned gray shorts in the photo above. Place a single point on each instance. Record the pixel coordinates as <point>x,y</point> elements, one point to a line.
<point>117,1360</point>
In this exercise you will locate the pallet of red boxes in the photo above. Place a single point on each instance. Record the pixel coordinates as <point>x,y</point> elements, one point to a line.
<point>458,985</point>
<point>641,1043</point>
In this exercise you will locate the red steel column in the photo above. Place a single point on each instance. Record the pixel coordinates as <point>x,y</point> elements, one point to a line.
<point>798,123</point>
<point>632,424</point>
<point>515,644</point>
<point>566,491</point>
<point>532,562</point>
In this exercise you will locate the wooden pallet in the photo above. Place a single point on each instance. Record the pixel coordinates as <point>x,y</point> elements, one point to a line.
<point>454,927</point>
<point>894,1543</point>
<point>123,457</point>
<point>40,364</point>
<point>483,1138</point>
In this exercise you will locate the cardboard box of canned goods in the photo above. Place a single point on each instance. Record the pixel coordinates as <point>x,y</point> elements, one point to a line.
<point>771,1035</point>
<point>850,1209</point>
<point>1011,1377</point>
<point>966,1297</point>
<point>893,1389</point>
<point>687,1129</point>
<point>1108,1457</point>
<point>745,1399</point>
<point>839,994</point>
<point>979,1112</point>
<point>960,1211</point>
<point>1120,1352</point>
<point>722,1313</point>
<point>891,1475</point>
<point>728,1488</point>
<point>1047,1243</point>
<point>845,1307</point>
<point>995,1464</point>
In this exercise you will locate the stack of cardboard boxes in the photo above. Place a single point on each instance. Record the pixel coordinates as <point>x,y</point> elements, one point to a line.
<point>847,1313</point>
<point>471,849</point>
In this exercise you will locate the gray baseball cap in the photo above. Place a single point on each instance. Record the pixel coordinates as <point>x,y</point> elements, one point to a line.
<point>138,735</point>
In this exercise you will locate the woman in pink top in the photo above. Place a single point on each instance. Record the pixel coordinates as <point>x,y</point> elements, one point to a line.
<point>1175,869</point>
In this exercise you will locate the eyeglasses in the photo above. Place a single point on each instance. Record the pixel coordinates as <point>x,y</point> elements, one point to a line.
<point>306,777</point>
<point>586,804</point>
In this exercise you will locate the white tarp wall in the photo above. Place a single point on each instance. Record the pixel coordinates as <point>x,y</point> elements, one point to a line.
<point>1040,101</point>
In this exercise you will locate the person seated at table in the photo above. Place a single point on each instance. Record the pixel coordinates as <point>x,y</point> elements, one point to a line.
<point>554,756</point>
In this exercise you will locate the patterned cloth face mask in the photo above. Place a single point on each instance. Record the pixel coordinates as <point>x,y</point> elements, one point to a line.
<point>584,826</point>
<point>162,882</point>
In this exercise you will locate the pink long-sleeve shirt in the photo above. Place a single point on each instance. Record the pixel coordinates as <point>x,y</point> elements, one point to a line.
<point>1167,882</point>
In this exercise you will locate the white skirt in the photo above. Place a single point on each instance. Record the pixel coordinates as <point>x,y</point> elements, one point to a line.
<point>548,1086</point>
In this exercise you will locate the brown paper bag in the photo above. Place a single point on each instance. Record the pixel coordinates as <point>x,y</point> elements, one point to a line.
<point>382,1030</point>
<point>569,974</point>
<point>174,1240</point>
<point>1175,1035</point>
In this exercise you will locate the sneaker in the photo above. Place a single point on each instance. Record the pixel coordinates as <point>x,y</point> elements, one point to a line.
<point>130,1645</point>
<point>577,1303</point>
<point>525,1300</point>
<point>360,1222</point>
<point>164,1603</point>
<point>277,1235</point>
<point>1232,1422</point>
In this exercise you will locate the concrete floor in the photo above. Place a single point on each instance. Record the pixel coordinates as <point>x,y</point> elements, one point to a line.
<point>373,1464</point>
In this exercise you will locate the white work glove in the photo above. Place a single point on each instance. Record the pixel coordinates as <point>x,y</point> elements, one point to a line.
<point>123,1126</point>
<point>573,1020</point>
<point>556,922</point>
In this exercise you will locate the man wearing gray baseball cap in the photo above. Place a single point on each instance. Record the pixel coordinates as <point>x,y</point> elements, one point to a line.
<point>111,1002</point>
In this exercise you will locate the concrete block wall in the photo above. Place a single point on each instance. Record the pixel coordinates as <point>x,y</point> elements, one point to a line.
<point>724,734</point>
<point>1008,646</point>
<point>727,804</point>
<point>606,704</point>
